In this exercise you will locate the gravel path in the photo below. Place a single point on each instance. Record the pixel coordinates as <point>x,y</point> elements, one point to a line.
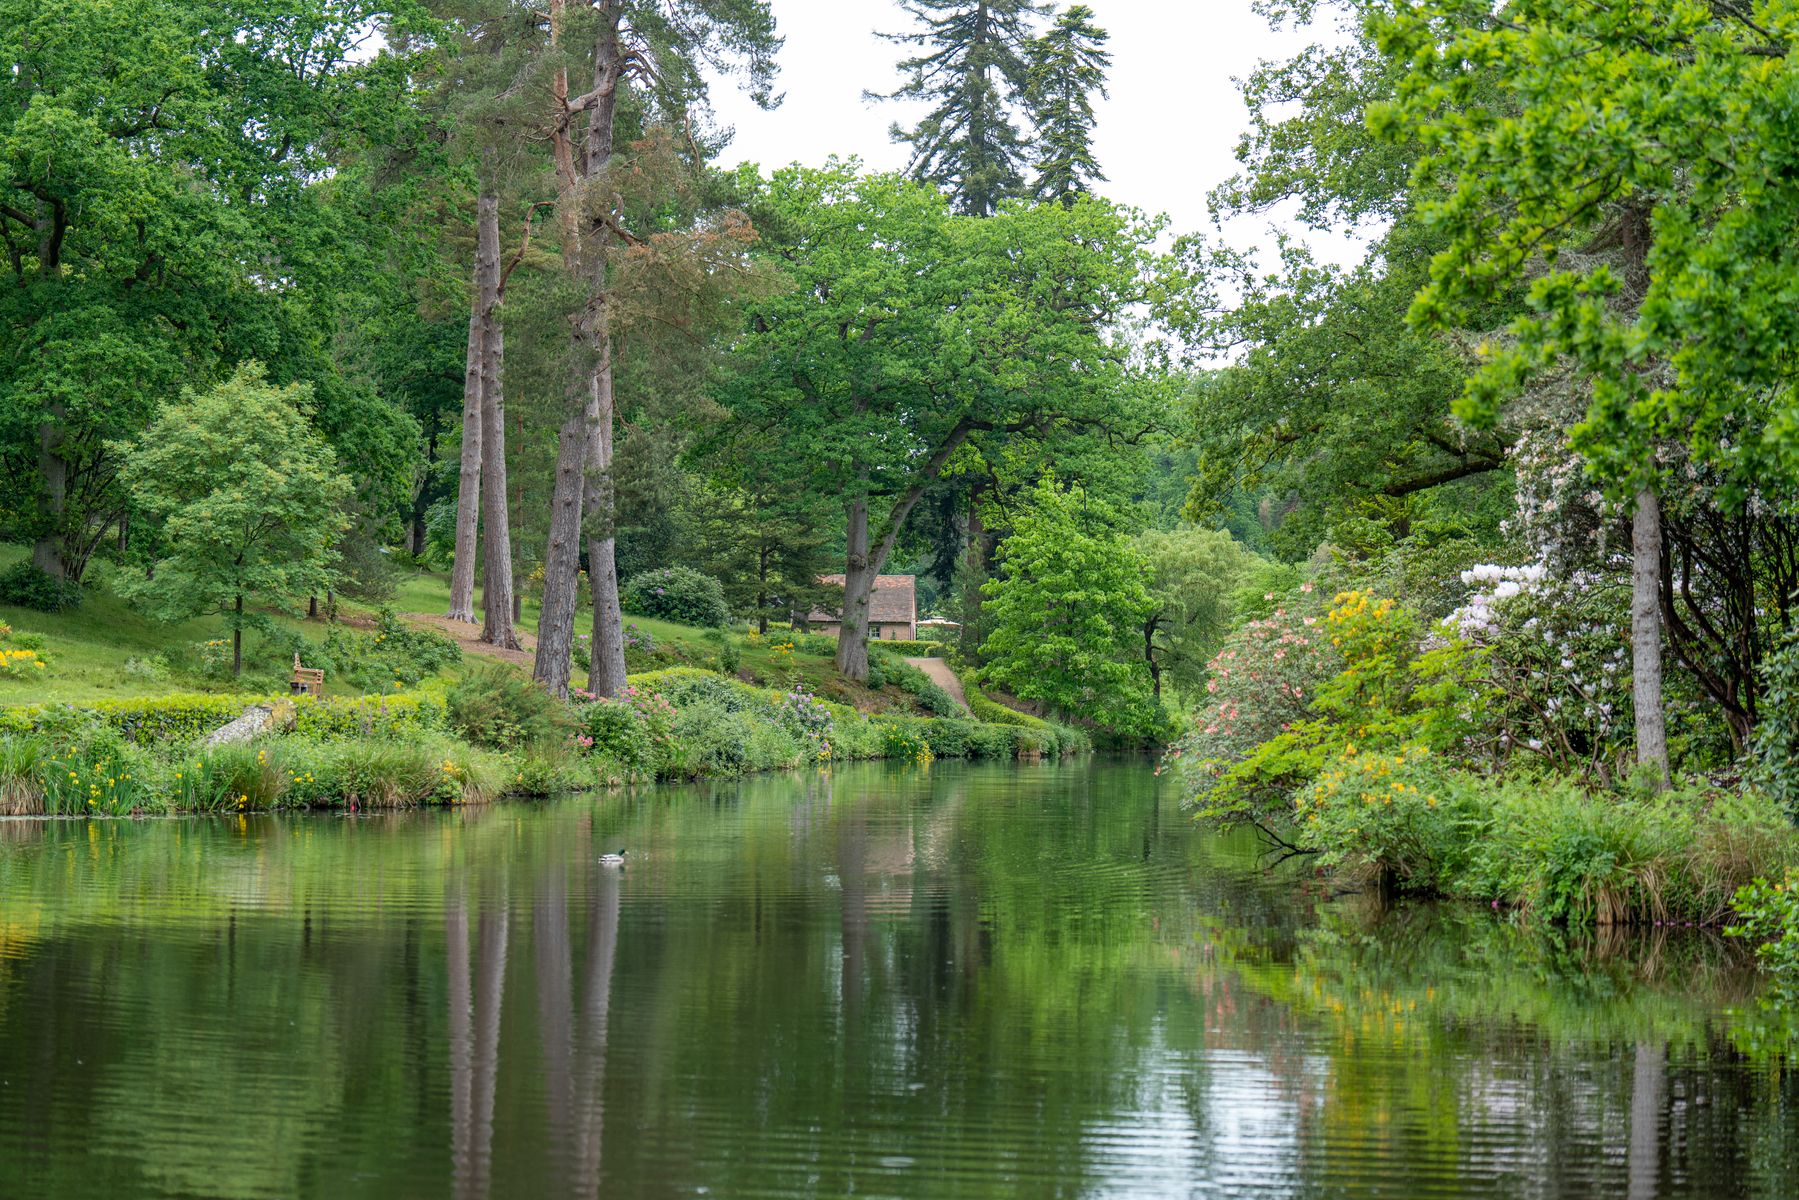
<point>941,675</point>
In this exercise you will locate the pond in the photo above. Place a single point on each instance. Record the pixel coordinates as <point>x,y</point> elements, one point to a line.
<point>911,982</point>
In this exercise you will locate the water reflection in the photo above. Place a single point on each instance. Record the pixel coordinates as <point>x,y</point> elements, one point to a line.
<point>953,982</point>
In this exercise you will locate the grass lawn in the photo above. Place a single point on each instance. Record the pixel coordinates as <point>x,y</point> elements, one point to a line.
<point>91,647</point>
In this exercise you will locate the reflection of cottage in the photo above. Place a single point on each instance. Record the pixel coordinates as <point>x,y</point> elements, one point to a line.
<point>892,609</point>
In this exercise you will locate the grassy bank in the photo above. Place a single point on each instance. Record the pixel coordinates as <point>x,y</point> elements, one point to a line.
<point>1540,844</point>
<point>492,734</point>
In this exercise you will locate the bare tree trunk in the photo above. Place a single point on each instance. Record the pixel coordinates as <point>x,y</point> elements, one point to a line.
<point>858,582</point>
<point>237,637</point>
<point>562,560</point>
<point>584,254</point>
<point>606,671</point>
<point>496,539</point>
<point>468,495</point>
<point>1646,633</point>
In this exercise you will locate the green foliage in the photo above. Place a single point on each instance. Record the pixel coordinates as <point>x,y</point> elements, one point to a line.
<point>502,709</point>
<point>910,649</point>
<point>173,178</point>
<point>1067,615</point>
<point>1776,766</point>
<point>914,343</point>
<point>1194,578</point>
<point>678,594</point>
<point>398,716</point>
<point>620,731</point>
<point>1767,914</point>
<point>1543,844</point>
<point>397,652</point>
<point>23,759</point>
<point>250,499</point>
<point>181,718</point>
<point>26,586</point>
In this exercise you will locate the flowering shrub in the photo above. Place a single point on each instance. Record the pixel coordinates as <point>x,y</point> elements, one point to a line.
<point>1389,691</point>
<point>620,729</point>
<point>1388,817</point>
<point>1260,684</point>
<point>902,740</point>
<point>676,594</point>
<point>20,663</point>
<point>809,719</point>
<point>1559,665</point>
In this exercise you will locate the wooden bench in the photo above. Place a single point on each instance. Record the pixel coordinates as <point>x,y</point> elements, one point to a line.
<point>307,681</point>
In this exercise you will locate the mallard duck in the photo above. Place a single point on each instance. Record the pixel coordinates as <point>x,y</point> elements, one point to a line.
<point>613,860</point>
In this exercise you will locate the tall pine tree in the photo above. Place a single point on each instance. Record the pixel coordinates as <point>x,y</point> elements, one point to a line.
<point>1067,68</point>
<point>973,66</point>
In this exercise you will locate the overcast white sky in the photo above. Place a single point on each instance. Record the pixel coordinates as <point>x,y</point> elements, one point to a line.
<point>1165,138</point>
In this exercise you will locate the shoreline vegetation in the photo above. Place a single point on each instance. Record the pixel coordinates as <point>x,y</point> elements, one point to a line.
<point>1400,755</point>
<point>448,730</point>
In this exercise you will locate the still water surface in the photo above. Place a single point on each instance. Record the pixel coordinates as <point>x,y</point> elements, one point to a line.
<point>938,982</point>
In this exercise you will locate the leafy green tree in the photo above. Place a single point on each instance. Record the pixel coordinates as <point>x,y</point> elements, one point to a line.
<point>165,213</point>
<point>973,67</point>
<point>1626,164</point>
<point>911,334</point>
<point>765,541</point>
<point>1067,613</point>
<point>1194,576</point>
<point>250,497</point>
<point>1067,69</point>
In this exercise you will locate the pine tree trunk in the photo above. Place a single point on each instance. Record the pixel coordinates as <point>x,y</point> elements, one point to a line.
<point>858,584</point>
<point>1646,633</point>
<point>562,560</point>
<point>585,243</point>
<point>496,530</point>
<point>606,672</point>
<point>468,495</point>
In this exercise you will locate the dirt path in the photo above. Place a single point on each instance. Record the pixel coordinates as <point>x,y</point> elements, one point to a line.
<point>468,637</point>
<point>941,675</point>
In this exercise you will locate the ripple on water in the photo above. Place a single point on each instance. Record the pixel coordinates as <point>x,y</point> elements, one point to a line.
<point>958,982</point>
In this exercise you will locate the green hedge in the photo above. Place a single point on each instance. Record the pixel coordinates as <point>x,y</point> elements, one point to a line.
<point>182,717</point>
<point>911,649</point>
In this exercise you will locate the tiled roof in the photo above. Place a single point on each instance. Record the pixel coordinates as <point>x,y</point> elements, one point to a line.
<point>894,600</point>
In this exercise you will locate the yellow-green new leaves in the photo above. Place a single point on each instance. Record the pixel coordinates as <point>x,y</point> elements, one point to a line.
<point>249,494</point>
